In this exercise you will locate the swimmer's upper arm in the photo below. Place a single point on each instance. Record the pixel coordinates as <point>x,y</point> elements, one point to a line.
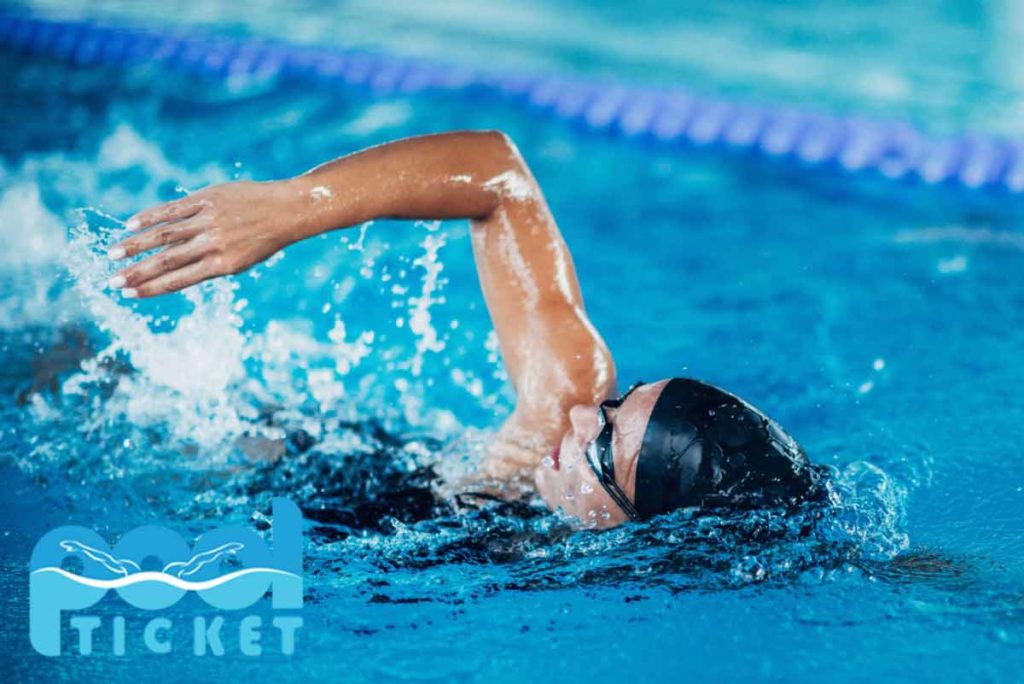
<point>554,356</point>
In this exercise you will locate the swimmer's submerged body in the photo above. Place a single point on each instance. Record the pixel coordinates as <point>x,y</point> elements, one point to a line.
<point>675,443</point>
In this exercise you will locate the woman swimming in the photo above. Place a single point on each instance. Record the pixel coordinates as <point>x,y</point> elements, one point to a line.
<point>675,443</point>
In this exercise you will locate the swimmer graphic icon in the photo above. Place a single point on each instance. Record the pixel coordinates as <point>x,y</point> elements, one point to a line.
<point>53,589</point>
<point>124,566</point>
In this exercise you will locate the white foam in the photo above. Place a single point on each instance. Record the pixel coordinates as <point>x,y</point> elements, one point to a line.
<point>186,372</point>
<point>32,243</point>
<point>30,235</point>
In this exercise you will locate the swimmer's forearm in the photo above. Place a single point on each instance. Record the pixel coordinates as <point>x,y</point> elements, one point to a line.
<point>227,228</point>
<point>434,177</point>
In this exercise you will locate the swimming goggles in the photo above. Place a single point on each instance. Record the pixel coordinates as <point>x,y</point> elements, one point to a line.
<point>602,461</point>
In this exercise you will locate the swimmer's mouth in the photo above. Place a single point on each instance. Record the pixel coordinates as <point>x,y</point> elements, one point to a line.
<point>554,455</point>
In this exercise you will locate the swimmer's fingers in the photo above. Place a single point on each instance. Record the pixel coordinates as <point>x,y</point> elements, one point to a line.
<point>165,213</point>
<point>170,259</point>
<point>176,280</point>
<point>161,236</point>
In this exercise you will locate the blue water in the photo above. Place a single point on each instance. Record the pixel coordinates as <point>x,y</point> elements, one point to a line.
<point>879,322</point>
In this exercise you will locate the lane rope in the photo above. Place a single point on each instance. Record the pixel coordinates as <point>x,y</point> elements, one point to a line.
<point>856,144</point>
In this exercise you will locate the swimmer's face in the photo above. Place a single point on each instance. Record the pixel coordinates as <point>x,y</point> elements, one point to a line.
<point>570,484</point>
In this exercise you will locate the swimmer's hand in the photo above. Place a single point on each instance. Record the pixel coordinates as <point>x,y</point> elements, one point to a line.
<point>216,231</point>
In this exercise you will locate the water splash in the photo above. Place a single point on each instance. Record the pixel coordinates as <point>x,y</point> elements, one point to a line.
<point>31,241</point>
<point>204,374</point>
<point>419,312</point>
<point>188,371</point>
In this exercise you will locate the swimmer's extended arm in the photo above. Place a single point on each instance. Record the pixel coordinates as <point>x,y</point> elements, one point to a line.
<point>554,356</point>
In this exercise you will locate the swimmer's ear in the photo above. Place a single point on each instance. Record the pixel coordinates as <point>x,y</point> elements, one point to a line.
<point>171,211</point>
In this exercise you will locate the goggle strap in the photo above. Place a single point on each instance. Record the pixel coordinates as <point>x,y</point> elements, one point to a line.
<point>604,468</point>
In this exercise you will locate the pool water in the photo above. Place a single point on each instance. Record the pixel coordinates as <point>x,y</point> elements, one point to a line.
<point>878,321</point>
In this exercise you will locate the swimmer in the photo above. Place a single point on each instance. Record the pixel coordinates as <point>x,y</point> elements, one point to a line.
<point>602,458</point>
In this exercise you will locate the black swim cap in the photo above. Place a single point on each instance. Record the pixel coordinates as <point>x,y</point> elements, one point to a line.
<point>706,448</point>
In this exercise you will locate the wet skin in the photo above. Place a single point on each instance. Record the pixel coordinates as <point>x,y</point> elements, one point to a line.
<point>557,363</point>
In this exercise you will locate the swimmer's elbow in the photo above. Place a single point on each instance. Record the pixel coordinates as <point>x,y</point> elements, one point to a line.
<point>500,141</point>
<point>503,172</point>
<point>501,152</point>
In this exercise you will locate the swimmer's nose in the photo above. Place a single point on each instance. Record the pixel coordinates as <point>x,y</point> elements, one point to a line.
<point>584,423</point>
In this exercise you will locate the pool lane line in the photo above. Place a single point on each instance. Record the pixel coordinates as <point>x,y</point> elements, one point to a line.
<point>855,144</point>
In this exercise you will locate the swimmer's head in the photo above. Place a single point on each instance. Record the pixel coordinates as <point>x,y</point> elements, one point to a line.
<point>672,444</point>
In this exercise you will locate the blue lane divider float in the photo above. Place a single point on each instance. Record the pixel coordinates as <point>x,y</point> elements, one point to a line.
<point>668,115</point>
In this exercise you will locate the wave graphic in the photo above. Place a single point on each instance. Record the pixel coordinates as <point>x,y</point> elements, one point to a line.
<point>149,576</point>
